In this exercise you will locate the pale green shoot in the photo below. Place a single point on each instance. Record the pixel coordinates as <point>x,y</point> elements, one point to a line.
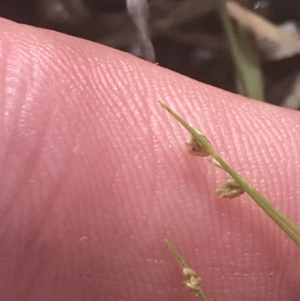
<point>282,221</point>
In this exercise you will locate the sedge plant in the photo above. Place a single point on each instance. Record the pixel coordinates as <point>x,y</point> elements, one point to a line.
<point>235,186</point>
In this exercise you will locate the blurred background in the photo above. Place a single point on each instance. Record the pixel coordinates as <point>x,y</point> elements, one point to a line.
<point>188,37</point>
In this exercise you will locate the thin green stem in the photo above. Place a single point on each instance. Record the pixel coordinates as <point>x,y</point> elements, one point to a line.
<point>201,294</point>
<point>292,230</point>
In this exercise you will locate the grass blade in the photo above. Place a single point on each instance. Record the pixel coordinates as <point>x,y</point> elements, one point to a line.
<point>249,76</point>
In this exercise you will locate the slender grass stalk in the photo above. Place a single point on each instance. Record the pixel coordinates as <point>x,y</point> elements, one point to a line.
<point>282,221</point>
<point>192,281</point>
<point>249,76</point>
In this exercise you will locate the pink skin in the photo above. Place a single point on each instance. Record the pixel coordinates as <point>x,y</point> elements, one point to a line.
<point>95,175</point>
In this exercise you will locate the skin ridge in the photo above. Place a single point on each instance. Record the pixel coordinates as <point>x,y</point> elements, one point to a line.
<point>112,179</point>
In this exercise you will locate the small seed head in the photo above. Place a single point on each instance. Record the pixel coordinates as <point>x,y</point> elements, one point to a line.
<point>196,149</point>
<point>192,281</point>
<point>231,189</point>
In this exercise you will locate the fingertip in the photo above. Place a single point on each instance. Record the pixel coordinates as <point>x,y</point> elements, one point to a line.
<point>98,158</point>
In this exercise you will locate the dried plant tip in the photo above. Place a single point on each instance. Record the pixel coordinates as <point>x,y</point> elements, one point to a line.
<point>177,256</point>
<point>231,189</point>
<point>195,148</point>
<point>192,281</point>
<point>198,136</point>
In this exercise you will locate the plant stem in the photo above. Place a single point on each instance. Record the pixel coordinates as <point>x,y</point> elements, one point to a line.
<point>292,230</point>
<point>248,71</point>
<point>192,281</point>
